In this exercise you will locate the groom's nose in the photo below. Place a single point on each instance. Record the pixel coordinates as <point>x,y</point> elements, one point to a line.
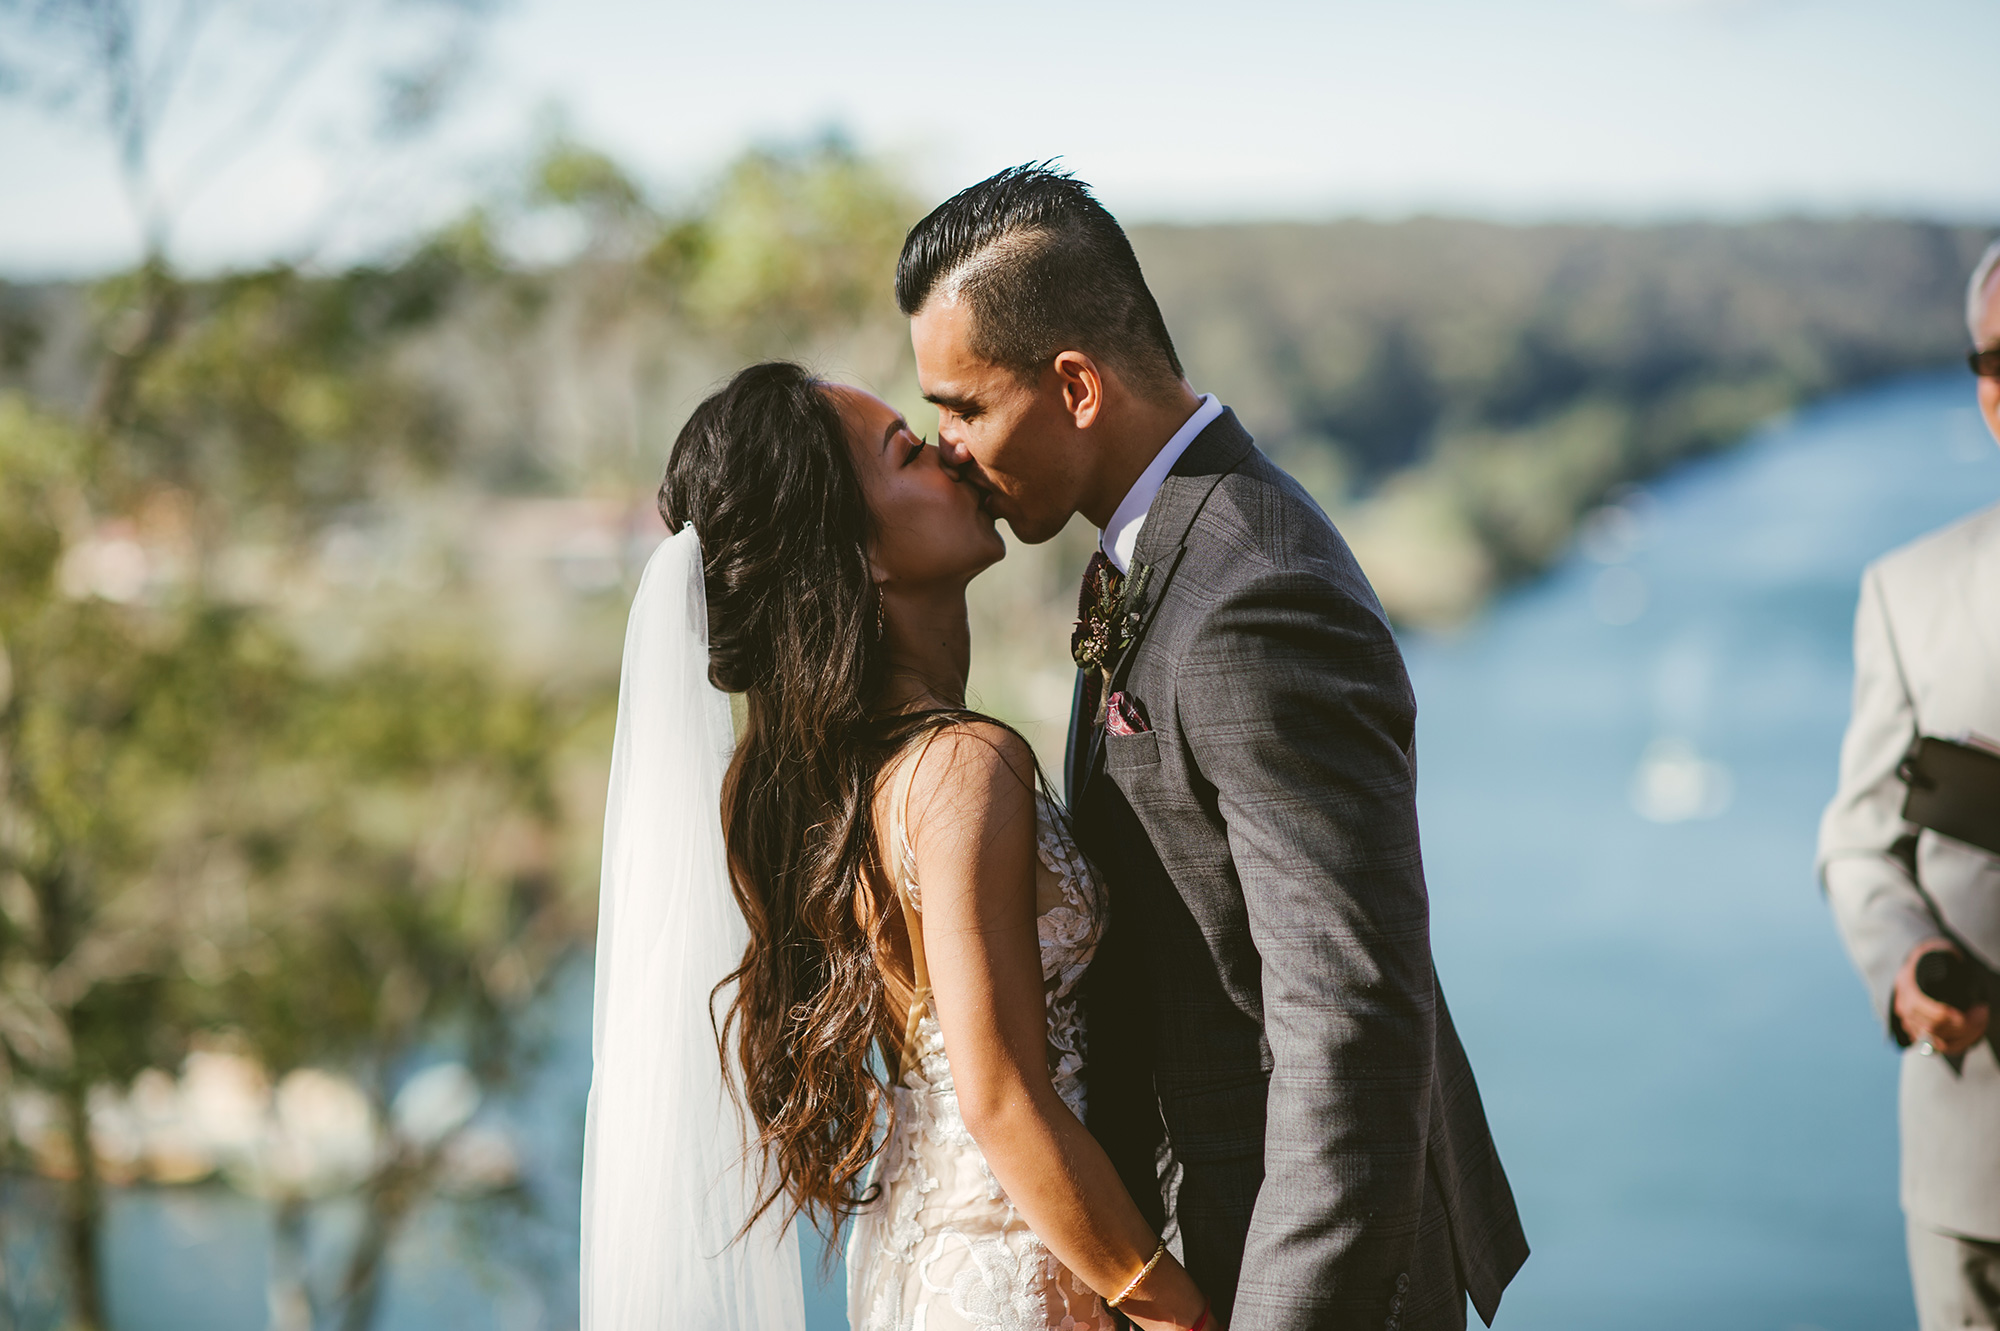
<point>958,461</point>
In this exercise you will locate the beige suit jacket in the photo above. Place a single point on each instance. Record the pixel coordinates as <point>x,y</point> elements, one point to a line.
<point>1926,661</point>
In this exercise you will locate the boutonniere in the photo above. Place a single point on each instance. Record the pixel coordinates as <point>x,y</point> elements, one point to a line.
<point>1104,625</point>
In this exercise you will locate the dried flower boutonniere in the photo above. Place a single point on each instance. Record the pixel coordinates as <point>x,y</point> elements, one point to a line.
<point>1104,625</point>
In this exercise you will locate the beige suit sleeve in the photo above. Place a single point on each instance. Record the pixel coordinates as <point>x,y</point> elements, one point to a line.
<point>1876,904</point>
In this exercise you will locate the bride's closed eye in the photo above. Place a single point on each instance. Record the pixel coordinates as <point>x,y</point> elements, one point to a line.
<point>917,447</point>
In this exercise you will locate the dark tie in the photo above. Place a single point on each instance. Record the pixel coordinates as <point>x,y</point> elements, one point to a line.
<point>1089,642</point>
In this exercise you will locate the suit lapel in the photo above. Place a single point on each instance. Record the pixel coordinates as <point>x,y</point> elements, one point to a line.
<point>1215,452</point>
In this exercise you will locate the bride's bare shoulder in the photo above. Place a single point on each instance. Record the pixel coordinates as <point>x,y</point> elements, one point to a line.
<point>970,778</point>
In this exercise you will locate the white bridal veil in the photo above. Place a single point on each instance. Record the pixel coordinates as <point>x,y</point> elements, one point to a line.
<point>668,1175</point>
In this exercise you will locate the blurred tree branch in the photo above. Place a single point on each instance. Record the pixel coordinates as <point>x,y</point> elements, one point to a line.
<point>120,68</point>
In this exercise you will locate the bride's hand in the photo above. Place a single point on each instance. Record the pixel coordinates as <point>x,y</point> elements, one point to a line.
<point>1167,1300</point>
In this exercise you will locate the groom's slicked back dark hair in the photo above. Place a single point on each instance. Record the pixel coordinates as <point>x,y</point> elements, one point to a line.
<point>1044,268</point>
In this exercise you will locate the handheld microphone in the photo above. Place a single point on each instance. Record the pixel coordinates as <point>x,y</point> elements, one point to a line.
<point>1950,979</point>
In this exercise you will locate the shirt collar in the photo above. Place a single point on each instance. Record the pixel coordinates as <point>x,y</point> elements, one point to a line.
<point>1120,536</point>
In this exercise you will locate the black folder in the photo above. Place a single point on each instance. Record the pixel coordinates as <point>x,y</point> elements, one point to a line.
<point>1954,791</point>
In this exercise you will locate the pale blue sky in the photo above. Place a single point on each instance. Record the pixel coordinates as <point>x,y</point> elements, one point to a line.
<point>1530,109</point>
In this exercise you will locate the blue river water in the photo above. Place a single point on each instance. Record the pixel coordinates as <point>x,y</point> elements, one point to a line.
<point>1693,1099</point>
<point>1622,768</point>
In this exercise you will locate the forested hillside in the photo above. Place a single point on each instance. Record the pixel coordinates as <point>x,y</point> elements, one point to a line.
<point>1460,392</point>
<point>1457,393</point>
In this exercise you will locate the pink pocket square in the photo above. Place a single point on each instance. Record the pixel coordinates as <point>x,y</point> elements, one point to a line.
<point>1125,715</point>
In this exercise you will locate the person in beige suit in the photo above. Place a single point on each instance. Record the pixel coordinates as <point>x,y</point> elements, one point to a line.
<point>1927,662</point>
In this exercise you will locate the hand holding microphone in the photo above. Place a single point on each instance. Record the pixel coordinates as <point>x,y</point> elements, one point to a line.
<point>1939,999</point>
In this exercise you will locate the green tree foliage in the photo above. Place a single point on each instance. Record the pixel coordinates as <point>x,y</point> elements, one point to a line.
<point>203,832</point>
<point>573,375</point>
<point>272,397</point>
<point>791,245</point>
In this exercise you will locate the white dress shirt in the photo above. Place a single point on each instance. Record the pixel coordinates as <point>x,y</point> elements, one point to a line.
<point>1121,536</point>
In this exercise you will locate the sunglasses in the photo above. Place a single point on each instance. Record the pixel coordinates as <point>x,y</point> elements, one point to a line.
<point>1985,364</point>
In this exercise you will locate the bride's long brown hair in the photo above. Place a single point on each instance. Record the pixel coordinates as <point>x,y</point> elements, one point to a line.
<point>762,470</point>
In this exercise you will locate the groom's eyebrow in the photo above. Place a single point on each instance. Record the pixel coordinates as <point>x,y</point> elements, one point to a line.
<point>948,402</point>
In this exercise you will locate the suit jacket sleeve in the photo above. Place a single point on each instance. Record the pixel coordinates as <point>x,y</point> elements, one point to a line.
<point>1875,901</point>
<point>1296,708</point>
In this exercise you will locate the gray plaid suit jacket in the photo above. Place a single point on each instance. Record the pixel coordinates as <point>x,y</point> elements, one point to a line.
<point>1270,1056</point>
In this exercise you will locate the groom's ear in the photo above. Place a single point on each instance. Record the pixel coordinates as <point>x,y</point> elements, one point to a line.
<point>1081,383</point>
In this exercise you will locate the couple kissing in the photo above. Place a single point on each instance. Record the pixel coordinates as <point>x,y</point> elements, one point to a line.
<point>1166,1051</point>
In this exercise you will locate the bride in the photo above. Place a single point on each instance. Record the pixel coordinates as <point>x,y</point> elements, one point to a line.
<point>887,913</point>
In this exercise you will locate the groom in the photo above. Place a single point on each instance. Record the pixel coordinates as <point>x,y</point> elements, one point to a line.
<point>1271,1064</point>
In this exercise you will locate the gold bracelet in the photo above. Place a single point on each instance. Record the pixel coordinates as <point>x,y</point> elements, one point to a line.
<point>1144,1271</point>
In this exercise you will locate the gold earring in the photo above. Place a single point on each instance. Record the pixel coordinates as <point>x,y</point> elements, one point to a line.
<point>881,628</point>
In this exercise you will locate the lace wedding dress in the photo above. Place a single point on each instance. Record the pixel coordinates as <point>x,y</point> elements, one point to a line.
<point>941,1248</point>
